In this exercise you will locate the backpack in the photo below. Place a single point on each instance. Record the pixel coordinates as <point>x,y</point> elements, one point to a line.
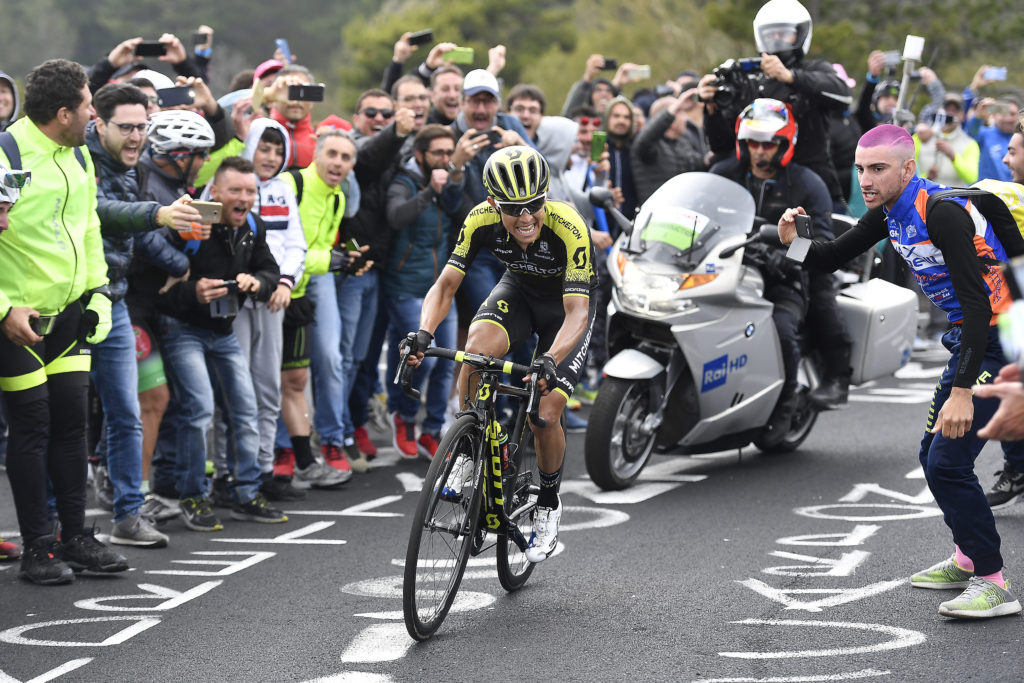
<point>1000,202</point>
<point>10,147</point>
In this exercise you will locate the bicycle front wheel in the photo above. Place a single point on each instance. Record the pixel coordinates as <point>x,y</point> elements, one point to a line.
<point>444,525</point>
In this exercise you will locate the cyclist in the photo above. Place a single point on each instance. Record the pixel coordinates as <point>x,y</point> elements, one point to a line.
<point>548,254</point>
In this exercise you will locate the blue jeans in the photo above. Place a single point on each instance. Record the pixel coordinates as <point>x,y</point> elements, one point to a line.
<point>197,358</point>
<point>116,377</point>
<point>949,463</point>
<point>403,318</point>
<point>357,305</point>
<point>326,361</point>
<point>367,381</point>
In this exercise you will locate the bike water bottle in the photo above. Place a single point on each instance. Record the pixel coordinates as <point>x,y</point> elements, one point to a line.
<point>503,444</point>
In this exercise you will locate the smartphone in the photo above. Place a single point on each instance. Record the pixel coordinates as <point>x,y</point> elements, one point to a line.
<point>232,286</point>
<point>459,55</point>
<point>597,144</point>
<point>610,65</point>
<point>422,37</point>
<point>803,226</point>
<point>198,38</point>
<point>286,52</point>
<point>42,325</point>
<point>172,97</point>
<point>150,48</point>
<point>352,245</point>
<point>306,92</point>
<point>493,137</point>
<point>640,73</point>
<point>892,58</point>
<point>209,211</point>
<point>995,73</point>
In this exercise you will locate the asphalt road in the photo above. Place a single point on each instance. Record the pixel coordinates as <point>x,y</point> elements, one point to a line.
<point>729,567</point>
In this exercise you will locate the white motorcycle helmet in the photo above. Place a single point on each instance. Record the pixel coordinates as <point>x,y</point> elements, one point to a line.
<point>783,27</point>
<point>179,129</point>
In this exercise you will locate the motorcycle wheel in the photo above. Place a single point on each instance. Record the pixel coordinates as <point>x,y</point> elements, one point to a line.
<point>803,421</point>
<point>615,448</point>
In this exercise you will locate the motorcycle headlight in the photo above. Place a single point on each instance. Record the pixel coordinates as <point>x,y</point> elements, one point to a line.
<point>654,293</point>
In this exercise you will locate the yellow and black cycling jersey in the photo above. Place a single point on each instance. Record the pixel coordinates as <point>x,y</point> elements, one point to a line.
<point>560,262</point>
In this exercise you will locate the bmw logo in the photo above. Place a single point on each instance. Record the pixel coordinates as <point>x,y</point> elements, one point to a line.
<point>749,331</point>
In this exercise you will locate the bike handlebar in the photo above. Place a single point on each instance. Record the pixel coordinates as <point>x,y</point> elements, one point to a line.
<point>404,375</point>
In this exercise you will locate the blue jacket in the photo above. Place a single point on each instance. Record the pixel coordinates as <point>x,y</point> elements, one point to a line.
<point>126,221</point>
<point>422,221</point>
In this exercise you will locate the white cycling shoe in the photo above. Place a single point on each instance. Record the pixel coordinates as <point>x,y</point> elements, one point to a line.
<point>544,538</point>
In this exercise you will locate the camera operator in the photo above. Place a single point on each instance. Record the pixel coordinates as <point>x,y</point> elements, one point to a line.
<point>782,31</point>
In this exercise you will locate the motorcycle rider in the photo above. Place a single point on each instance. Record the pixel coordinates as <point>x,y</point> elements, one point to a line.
<point>951,254</point>
<point>782,31</point>
<point>766,134</point>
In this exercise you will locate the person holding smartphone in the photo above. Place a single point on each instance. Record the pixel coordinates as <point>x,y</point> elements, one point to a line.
<point>662,149</point>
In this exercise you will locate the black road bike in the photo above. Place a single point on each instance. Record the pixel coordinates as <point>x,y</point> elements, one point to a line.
<point>477,494</point>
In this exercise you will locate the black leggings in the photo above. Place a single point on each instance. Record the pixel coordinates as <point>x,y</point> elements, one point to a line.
<point>47,432</point>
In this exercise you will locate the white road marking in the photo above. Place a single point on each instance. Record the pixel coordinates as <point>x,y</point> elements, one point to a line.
<point>860,533</point>
<point>295,537</point>
<point>637,493</point>
<point>378,643</point>
<point>251,559</point>
<point>171,598</point>
<point>353,677</point>
<point>51,674</point>
<point>914,370</point>
<point>846,676</point>
<point>839,596</point>
<point>901,638</point>
<point>361,510</point>
<point>14,635</point>
<point>861,491</point>
<point>914,512</point>
<point>846,565</point>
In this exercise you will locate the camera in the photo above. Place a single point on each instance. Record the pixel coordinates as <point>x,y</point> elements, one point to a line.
<point>737,81</point>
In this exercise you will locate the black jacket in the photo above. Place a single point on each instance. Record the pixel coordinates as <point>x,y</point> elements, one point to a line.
<point>226,254</point>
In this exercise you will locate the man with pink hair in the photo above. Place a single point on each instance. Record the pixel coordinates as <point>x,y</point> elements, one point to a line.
<point>953,257</point>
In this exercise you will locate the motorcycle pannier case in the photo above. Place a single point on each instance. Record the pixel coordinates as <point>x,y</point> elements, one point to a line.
<point>881,319</point>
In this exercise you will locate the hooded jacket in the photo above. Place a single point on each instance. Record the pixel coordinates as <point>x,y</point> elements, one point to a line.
<point>123,215</point>
<point>556,137</point>
<point>4,123</point>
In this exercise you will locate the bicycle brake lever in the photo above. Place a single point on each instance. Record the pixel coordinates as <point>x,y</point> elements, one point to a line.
<point>533,408</point>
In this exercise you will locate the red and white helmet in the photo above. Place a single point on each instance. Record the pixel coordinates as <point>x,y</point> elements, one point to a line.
<point>767,120</point>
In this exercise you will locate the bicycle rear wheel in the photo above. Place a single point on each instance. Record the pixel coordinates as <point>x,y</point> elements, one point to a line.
<point>443,527</point>
<point>521,491</point>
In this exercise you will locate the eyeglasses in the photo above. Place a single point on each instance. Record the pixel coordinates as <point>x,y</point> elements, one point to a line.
<point>153,99</point>
<point>517,209</point>
<point>524,109</point>
<point>127,128</point>
<point>371,112</point>
<point>441,152</point>
<point>590,121</point>
<point>757,144</point>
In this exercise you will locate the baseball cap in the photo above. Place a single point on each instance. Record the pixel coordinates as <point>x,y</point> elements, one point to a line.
<point>158,80</point>
<point>953,98</point>
<point>271,66</point>
<point>480,80</point>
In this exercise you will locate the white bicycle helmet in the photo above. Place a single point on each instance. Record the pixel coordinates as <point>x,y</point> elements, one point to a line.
<point>782,26</point>
<point>179,129</point>
<point>12,183</point>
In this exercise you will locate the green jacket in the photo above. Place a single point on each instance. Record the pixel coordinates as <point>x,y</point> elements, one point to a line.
<point>321,209</point>
<point>53,251</point>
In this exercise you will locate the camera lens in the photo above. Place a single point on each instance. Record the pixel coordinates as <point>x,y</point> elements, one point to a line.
<point>724,96</point>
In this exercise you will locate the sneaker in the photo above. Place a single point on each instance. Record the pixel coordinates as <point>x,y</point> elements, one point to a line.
<point>574,424</point>
<point>198,514</point>
<point>981,600</point>
<point>460,477</point>
<point>275,488</point>
<point>358,461</point>
<point>258,510</point>
<point>84,552</point>
<point>9,552</point>
<point>284,462</point>
<point>137,530</point>
<point>39,564</point>
<point>573,403</point>
<point>320,476</point>
<point>378,412</point>
<point>158,509</point>
<point>426,445</point>
<point>544,538</point>
<point>405,437</point>
<point>364,444</point>
<point>832,393</point>
<point>102,487</point>
<point>1007,489</point>
<point>220,492</point>
<point>585,394</point>
<point>336,458</point>
<point>946,574</point>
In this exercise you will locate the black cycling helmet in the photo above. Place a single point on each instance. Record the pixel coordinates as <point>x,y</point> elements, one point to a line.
<point>516,174</point>
<point>885,89</point>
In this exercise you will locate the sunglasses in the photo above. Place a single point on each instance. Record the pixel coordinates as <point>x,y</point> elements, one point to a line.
<point>371,112</point>
<point>16,180</point>
<point>590,121</point>
<point>757,144</point>
<point>517,209</point>
<point>127,128</point>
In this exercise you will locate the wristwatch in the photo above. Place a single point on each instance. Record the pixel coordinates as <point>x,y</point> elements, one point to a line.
<point>452,168</point>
